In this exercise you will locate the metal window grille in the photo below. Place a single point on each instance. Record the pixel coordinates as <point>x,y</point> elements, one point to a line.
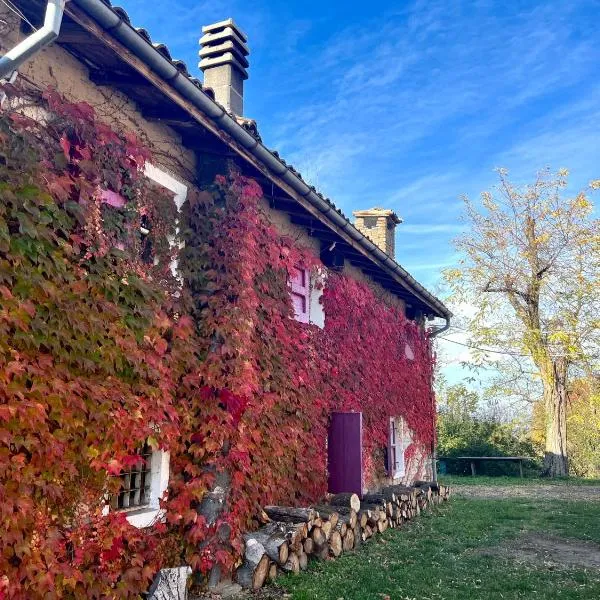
<point>134,491</point>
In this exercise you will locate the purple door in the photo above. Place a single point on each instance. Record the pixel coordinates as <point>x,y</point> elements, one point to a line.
<point>344,449</point>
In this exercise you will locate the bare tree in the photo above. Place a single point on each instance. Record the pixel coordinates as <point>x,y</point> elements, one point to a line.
<point>530,266</point>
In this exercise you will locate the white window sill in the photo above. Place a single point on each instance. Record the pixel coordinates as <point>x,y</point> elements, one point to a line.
<point>145,517</point>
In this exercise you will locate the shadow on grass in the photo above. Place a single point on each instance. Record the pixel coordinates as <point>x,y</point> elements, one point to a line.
<point>442,555</point>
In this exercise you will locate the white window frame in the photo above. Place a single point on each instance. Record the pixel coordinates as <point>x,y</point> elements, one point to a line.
<point>179,190</point>
<point>398,442</point>
<point>316,313</point>
<point>167,180</point>
<point>147,515</point>
<point>316,282</point>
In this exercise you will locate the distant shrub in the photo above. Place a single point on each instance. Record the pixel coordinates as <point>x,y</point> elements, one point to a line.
<point>464,431</point>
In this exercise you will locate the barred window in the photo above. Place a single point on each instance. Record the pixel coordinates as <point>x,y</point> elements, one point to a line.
<point>134,491</point>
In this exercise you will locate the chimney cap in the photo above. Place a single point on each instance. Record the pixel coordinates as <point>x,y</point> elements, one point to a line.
<point>376,211</point>
<point>229,34</point>
<point>219,25</point>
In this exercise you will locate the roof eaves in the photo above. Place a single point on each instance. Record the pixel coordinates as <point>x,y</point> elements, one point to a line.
<point>246,135</point>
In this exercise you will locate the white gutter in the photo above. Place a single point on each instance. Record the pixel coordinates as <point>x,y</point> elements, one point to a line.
<point>25,49</point>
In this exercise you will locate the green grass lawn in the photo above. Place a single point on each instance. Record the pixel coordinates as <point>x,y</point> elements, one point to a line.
<point>505,480</point>
<point>442,555</point>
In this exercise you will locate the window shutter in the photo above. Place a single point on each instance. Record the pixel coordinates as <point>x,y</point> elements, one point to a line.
<point>300,292</point>
<point>396,448</point>
<point>392,449</point>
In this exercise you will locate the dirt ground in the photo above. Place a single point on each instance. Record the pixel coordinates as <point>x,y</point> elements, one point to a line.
<point>549,551</point>
<point>539,492</point>
<point>535,548</point>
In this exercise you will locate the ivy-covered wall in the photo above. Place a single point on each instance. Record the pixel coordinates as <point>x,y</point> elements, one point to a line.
<point>102,348</point>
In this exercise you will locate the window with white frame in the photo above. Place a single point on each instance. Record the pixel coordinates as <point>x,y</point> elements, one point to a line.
<point>141,486</point>
<point>399,439</point>
<point>306,290</point>
<point>144,483</point>
<point>178,189</point>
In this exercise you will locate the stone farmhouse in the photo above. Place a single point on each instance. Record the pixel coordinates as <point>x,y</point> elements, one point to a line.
<point>198,130</point>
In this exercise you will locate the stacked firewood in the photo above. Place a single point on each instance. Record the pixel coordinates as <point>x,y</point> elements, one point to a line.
<point>292,535</point>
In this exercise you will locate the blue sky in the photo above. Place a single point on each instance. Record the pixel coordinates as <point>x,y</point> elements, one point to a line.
<point>409,105</point>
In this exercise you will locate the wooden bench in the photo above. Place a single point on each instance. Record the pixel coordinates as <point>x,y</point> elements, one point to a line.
<point>474,459</point>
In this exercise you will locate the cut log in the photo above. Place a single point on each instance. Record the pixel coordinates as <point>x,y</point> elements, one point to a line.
<point>308,545</point>
<point>296,534</point>
<point>170,583</point>
<point>335,543</point>
<point>362,518</point>
<point>334,517</point>
<point>289,514</point>
<point>273,572</point>
<point>273,538</point>
<point>263,517</point>
<point>357,536</point>
<point>373,513</point>
<point>303,561</point>
<point>348,541</point>
<point>340,511</point>
<point>255,568</point>
<point>385,495</point>
<point>434,486</point>
<point>318,536</point>
<point>330,512</point>
<point>403,492</point>
<point>346,499</point>
<point>293,563</point>
<point>326,529</point>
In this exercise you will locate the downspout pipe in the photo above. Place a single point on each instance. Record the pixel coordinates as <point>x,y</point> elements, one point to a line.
<point>433,334</point>
<point>25,49</point>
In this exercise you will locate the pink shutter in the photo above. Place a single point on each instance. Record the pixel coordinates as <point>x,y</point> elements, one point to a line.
<point>300,293</point>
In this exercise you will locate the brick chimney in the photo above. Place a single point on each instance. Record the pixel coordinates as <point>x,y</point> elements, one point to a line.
<point>223,60</point>
<point>379,225</point>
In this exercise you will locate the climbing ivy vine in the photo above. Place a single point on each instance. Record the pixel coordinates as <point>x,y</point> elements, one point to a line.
<point>102,348</point>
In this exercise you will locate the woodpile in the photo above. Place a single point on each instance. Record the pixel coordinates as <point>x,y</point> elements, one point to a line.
<point>325,531</point>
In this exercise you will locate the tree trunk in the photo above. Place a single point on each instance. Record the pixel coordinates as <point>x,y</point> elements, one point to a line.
<point>555,401</point>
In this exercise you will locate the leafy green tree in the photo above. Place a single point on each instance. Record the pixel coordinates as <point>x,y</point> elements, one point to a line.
<point>530,267</point>
<point>583,419</point>
<point>467,429</point>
